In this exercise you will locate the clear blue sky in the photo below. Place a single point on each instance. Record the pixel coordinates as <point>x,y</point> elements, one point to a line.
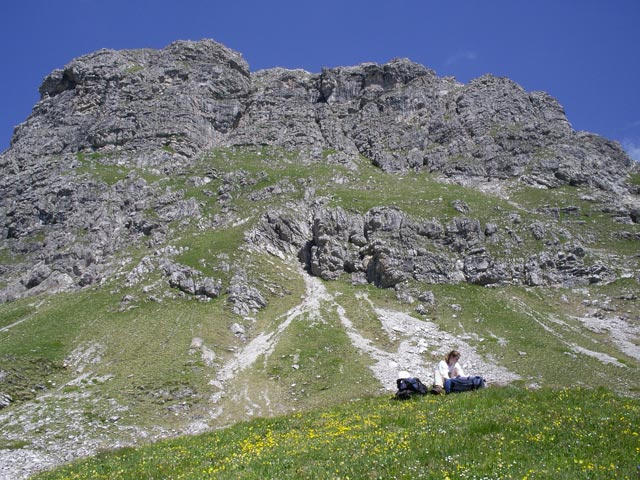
<point>585,53</point>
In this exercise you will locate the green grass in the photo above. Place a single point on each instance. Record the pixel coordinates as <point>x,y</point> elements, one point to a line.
<point>8,258</point>
<point>144,347</point>
<point>532,332</point>
<point>592,224</point>
<point>419,195</point>
<point>494,433</point>
<point>48,326</point>
<point>144,350</point>
<point>152,373</point>
<point>314,358</point>
<point>97,166</point>
<point>206,248</point>
<point>357,302</point>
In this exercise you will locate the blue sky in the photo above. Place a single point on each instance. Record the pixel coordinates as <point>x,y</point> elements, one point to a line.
<point>585,53</point>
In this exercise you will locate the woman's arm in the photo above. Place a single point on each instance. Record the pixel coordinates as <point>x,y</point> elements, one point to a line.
<point>458,371</point>
<point>443,369</point>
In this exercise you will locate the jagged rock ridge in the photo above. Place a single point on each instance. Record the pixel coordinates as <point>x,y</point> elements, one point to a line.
<point>195,95</point>
<point>160,109</point>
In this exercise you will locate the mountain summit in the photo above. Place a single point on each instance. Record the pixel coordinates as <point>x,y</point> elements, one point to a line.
<point>160,110</point>
<point>193,96</point>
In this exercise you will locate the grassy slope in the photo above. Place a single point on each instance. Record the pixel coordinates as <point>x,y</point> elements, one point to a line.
<point>495,433</point>
<point>146,365</point>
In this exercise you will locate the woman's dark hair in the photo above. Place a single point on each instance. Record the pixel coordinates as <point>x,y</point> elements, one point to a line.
<point>452,353</point>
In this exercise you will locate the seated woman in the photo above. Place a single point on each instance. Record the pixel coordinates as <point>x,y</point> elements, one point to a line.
<point>447,369</point>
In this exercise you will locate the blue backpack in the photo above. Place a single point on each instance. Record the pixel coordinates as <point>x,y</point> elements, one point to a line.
<point>463,384</point>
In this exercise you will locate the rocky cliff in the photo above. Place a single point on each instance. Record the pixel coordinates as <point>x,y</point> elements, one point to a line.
<point>156,112</point>
<point>240,243</point>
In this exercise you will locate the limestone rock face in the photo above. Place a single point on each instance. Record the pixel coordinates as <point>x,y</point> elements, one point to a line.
<point>182,99</point>
<point>135,113</point>
<point>387,248</point>
<point>152,107</point>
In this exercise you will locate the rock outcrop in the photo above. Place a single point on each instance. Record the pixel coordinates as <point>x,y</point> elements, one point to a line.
<point>387,248</point>
<point>134,113</point>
